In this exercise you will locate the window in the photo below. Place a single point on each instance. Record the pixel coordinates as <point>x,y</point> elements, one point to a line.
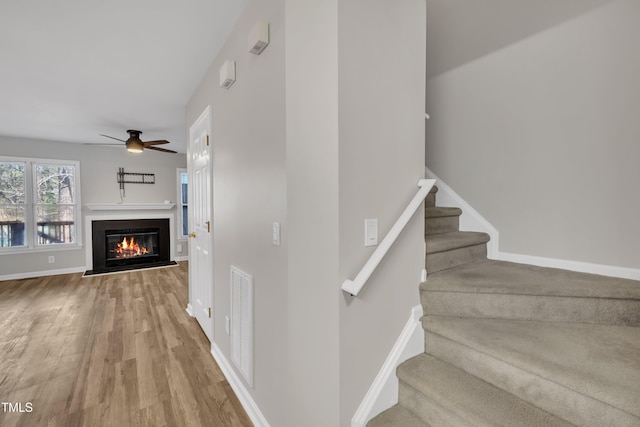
<point>183,211</point>
<point>39,202</point>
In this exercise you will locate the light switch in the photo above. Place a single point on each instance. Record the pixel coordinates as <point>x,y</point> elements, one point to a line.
<point>371,232</point>
<point>276,233</point>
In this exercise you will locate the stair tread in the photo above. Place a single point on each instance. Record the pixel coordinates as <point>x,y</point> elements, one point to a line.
<point>454,240</point>
<point>600,361</point>
<point>438,212</point>
<point>510,278</point>
<point>470,398</point>
<point>396,416</point>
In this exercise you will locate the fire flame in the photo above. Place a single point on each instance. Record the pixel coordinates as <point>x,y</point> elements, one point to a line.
<point>131,248</point>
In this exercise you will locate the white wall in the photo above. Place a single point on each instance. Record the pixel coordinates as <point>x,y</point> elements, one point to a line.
<point>381,104</point>
<point>249,194</point>
<point>541,136</point>
<point>98,168</point>
<point>313,212</point>
<point>314,135</point>
<point>355,149</point>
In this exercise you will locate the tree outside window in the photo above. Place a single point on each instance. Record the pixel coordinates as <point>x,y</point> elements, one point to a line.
<point>42,213</point>
<point>12,204</point>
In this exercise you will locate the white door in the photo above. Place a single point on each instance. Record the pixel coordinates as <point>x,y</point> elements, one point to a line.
<point>200,233</point>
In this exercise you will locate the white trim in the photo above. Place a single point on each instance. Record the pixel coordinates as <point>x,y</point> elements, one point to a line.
<point>182,258</point>
<point>471,220</point>
<point>17,250</point>
<point>43,273</point>
<point>128,206</point>
<point>579,266</point>
<point>88,219</point>
<point>383,392</point>
<point>179,205</point>
<point>189,310</point>
<point>253,411</point>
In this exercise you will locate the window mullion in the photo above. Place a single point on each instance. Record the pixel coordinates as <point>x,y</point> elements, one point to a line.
<point>31,206</point>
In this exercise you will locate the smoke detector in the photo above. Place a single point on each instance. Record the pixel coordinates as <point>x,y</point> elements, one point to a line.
<point>258,37</point>
<point>227,74</point>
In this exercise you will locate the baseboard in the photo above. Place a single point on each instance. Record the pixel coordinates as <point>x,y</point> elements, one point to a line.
<point>247,402</point>
<point>181,258</point>
<point>32,274</point>
<point>471,220</point>
<point>582,267</point>
<point>383,392</point>
<point>189,310</point>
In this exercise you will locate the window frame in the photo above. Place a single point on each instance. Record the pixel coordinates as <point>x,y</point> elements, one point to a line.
<point>30,216</point>
<point>179,204</point>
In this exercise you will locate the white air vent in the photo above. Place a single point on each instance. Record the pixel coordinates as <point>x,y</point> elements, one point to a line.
<point>258,37</point>
<point>227,74</point>
<point>242,323</point>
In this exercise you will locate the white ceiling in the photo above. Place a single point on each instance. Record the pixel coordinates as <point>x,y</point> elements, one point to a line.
<point>460,31</point>
<point>73,69</point>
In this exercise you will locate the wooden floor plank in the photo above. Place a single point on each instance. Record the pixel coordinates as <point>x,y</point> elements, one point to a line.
<point>116,350</point>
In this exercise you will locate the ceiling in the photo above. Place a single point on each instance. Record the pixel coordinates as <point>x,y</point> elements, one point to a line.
<point>74,69</point>
<point>460,31</point>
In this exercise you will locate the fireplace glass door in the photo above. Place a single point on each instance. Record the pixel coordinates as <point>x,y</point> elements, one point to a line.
<point>131,247</point>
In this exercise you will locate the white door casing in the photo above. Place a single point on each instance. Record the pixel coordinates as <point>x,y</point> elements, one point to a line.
<point>201,231</point>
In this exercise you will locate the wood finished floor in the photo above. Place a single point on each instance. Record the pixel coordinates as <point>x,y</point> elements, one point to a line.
<point>116,350</point>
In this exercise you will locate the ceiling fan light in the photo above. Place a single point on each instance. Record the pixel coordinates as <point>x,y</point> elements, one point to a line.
<point>134,146</point>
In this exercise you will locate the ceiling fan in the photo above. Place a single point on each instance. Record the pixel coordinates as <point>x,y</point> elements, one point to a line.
<point>135,145</point>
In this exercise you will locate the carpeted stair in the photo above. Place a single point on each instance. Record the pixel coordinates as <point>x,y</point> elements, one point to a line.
<point>517,345</point>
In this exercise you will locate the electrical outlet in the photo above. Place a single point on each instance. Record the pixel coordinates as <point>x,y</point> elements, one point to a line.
<point>52,259</point>
<point>180,248</point>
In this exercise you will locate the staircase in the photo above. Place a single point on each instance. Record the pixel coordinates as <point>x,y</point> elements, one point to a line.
<point>516,345</point>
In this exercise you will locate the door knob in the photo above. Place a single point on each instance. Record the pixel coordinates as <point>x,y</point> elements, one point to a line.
<point>192,234</point>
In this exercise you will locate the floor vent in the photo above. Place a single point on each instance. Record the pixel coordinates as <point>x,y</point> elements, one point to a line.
<point>242,323</point>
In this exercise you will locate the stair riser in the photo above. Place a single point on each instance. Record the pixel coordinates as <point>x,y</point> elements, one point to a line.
<point>397,415</point>
<point>445,224</point>
<point>546,394</point>
<point>606,311</point>
<point>430,200</point>
<point>426,409</point>
<point>448,259</point>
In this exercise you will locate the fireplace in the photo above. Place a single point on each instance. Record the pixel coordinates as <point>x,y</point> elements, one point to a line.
<point>126,244</point>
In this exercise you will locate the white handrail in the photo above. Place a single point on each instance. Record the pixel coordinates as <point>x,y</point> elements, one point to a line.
<point>354,286</point>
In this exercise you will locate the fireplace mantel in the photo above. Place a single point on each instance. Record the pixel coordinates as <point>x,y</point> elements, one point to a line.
<point>128,206</point>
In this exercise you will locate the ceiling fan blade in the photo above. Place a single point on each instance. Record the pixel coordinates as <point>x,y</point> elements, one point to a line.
<point>117,139</point>
<point>157,142</point>
<point>161,149</point>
